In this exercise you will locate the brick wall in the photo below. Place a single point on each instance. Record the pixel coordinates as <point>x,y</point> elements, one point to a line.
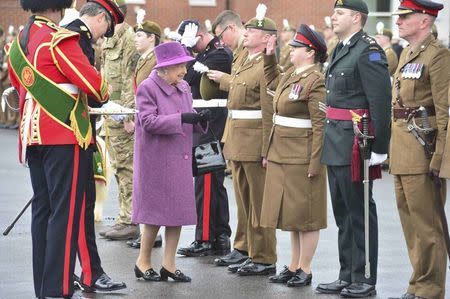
<point>169,13</point>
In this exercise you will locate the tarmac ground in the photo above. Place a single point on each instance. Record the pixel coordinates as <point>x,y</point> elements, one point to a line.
<point>208,281</point>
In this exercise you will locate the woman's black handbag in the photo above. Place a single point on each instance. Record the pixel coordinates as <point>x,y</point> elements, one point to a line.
<point>207,157</point>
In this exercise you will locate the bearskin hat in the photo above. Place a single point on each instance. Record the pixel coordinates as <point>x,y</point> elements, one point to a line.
<point>42,5</point>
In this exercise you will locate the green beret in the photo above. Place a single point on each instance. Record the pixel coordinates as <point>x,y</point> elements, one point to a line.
<point>265,24</point>
<point>209,89</point>
<point>357,5</point>
<point>148,27</point>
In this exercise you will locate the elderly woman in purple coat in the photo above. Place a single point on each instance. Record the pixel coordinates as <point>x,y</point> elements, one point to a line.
<point>163,192</point>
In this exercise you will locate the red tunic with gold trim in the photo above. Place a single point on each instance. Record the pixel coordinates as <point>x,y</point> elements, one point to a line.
<point>55,52</point>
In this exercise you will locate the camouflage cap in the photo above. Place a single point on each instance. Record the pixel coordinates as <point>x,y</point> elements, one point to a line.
<point>356,5</point>
<point>265,24</point>
<point>149,27</point>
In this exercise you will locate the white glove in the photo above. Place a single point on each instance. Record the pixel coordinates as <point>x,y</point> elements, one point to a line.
<point>376,159</point>
<point>189,38</point>
<point>118,117</point>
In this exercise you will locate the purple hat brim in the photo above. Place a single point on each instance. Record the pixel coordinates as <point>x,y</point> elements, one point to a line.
<point>178,60</point>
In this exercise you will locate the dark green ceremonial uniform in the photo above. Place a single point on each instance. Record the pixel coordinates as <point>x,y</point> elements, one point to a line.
<point>357,78</point>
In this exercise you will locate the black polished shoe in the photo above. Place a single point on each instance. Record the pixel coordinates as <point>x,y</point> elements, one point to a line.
<point>256,269</point>
<point>222,245</point>
<point>235,267</point>
<point>334,287</point>
<point>300,279</point>
<point>178,276</point>
<point>197,248</point>
<point>234,257</point>
<point>358,290</point>
<point>150,274</point>
<point>103,284</point>
<point>158,242</point>
<point>405,296</point>
<point>76,282</point>
<point>283,276</point>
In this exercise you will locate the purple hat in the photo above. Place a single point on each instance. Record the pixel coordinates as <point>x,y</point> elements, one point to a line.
<point>171,53</point>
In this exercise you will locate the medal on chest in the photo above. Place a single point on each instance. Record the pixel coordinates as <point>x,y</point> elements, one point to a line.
<point>412,71</point>
<point>295,92</point>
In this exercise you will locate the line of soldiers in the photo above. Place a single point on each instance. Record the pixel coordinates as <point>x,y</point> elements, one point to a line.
<point>357,79</point>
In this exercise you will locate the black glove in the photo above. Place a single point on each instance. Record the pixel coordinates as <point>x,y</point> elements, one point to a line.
<point>205,115</point>
<point>190,118</point>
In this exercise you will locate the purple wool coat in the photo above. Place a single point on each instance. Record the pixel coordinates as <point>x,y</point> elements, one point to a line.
<point>163,190</point>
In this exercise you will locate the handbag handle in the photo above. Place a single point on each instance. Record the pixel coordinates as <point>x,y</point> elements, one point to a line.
<point>212,133</point>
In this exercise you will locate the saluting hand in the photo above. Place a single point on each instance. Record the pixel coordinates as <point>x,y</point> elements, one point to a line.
<point>271,45</point>
<point>214,75</point>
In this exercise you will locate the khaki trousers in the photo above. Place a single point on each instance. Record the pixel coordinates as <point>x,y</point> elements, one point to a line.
<point>248,181</point>
<point>416,202</point>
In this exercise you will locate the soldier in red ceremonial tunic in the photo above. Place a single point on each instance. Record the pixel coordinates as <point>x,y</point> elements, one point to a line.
<point>53,77</point>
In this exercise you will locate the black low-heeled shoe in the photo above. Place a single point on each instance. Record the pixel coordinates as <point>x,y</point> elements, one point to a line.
<point>150,274</point>
<point>178,276</point>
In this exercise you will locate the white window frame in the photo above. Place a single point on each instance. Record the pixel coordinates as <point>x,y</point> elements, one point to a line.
<point>202,2</point>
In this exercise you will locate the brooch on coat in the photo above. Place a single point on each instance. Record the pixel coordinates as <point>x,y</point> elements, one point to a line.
<point>412,71</point>
<point>295,92</point>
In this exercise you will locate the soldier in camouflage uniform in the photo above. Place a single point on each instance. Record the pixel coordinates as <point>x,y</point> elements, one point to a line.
<point>119,58</point>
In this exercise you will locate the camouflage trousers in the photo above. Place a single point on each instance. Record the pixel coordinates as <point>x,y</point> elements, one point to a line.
<point>120,148</point>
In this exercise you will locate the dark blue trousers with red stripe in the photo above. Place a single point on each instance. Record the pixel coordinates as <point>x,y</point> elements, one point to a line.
<point>59,176</point>
<point>87,247</point>
<point>212,207</point>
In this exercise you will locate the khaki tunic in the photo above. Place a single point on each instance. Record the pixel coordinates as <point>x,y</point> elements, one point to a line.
<point>292,201</point>
<point>144,67</point>
<point>392,60</point>
<point>247,138</point>
<point>415,192</point>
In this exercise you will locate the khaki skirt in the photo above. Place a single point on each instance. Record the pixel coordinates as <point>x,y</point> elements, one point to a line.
<point>292,201</point>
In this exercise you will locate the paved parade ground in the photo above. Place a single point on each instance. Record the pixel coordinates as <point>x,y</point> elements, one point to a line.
<point>208,281</point>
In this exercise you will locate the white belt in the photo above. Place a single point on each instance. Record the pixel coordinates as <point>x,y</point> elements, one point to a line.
<point>70,88</point>
<point>245,114</point>
<point>199,103</point>
<point>67,87</point>
<point>291,122</point>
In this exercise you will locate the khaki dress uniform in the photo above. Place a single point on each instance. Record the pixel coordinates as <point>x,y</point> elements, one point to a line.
<point>240,236</point>
<point>119,59</point>
<point>144,67</point>
<point>421,79</point>
<point>392,60</point>
<point>292,201</point>
<point>245,146</point>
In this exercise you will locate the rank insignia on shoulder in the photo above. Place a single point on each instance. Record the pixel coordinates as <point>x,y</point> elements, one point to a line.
<point>375,56</point>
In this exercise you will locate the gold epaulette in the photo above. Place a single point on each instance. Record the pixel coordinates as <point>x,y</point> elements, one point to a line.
<point>62,34</point>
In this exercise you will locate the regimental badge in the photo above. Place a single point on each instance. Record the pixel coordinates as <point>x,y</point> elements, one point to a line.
<point>27,76</point>
<point>412,70</point>
<point>295,92</point>
<point>339,2</point>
